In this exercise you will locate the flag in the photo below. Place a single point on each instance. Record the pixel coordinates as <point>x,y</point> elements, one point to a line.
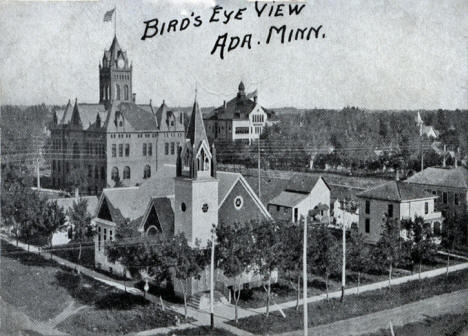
<point>108,15</point>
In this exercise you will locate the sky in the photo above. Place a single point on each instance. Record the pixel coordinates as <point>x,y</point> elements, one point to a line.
<point>376,54</point>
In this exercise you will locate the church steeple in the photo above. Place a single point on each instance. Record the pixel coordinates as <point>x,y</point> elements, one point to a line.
<point>115,75</point>
<point>196,131</point>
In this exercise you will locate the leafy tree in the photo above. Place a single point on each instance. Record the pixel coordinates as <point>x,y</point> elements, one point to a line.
<point>422,244</point>
<point>389,249</point>
<point>234,254</point>
<point>358,253</point>
<point>268,249</point>
<point>454,233</point>
<point>80,219</point>
<point>291,259</point>
<point>324,252</point>
<point>77,177</point>
<point>52,218</point>
<point>185,261</point>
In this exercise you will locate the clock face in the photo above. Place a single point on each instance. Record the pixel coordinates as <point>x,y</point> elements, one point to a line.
<point>120,63</point>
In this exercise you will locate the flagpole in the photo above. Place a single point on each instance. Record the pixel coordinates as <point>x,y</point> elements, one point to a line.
<point>115,21</point>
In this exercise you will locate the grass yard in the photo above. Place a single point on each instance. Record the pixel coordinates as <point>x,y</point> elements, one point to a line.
<point>354,305</point>
<point>447,325</point>
<point>70,252</point>
<point>42,289</point>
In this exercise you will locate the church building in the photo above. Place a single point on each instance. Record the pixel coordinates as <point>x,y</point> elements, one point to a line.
<point>190,197</point>
<point>115,142</point>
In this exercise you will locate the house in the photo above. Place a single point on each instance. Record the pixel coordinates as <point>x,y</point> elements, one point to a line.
<point>188,198</point>
<point>61,236</point>
<point>115,141</point>
<point>449,184</point>
<point>240,119</point>
<point>344,205</point>
<point>303,193</point>
<point>395,200</point>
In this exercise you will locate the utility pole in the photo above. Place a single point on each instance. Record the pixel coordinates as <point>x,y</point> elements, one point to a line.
<point>304,277</point>
<point>259,180</point>
<point>343,271</point>
<point>212,277</point>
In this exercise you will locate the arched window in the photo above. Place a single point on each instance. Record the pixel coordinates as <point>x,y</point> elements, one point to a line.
<point>115,174</point>
<point>152,231</point>
<point>96,172</point>
<point>103,173</point>
<point>147,172</point>
<point>76,151</point>
<point>117,91</point>
<point>126,173</point>
<point>126,92</point>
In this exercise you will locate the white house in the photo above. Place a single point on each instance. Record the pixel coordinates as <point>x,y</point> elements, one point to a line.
<point>303,193</point>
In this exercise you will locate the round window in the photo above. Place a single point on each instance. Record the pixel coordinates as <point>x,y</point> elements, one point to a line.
<point>183,207</point>
<point>238,202</point>
<point>205,207</point>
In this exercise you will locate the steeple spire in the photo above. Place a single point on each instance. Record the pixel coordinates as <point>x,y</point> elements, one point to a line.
<point>196,131</point>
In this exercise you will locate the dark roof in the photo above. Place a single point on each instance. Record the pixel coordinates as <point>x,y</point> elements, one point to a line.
<point>288,199</point>
<point>237,108</point>
<point>140,119</point>
<point>342,192</point>
<point>196,130</point>
<point>165,214</point>
<point>445,177</point>
<point>396,191</point>
<point>302,183</point>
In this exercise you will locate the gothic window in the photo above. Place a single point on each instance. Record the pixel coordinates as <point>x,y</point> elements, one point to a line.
<point>117,91</point>
<point>103,173</point>
<point>126,173</point>
<point>76,151</point>
<point>126,92</point>
<point>166,148</point>
<point>115,174</point>
<point>90,171</point>
<point>96,172</point>
<point>127,149</point>
<point>172,148</point>
<point>120,150</point>
<point>114,150</point>
<point>144,149</point>
<point>147,172</point>
<point>150,149</point>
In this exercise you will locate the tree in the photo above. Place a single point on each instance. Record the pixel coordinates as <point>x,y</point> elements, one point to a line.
<point>51,219</point>
<point>268,249</point>
<point>454,233</point>
<point>324,252</point>
<point>357,254</point>
<point>234,254</point>
<point>291,259</point>
<point>77,177</point>
<point>389,249</point>
<point>80,219</point>
<point>422,244</point>
<point>185,261</point>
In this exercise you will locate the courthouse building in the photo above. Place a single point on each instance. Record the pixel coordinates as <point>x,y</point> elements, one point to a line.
<point>114,142</point>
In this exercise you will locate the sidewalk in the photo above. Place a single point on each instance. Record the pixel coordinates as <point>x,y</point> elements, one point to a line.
<point>451,303</point>
<point>225,312</point>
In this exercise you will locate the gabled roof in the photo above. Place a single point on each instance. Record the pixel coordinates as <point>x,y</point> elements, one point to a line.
<point>140,119</point>
<point>396,191</point>
<point>288,199</point>
<point>164,115</point>
<point>302,183</point>
<point>131,202</point>
<point>82,114</point>
<point>342,192</point>
<point>196,130</point>
<point>444,177</point>
<point>164,212</point>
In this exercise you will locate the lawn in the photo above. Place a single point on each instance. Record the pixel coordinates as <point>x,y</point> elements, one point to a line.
<point>284,291</point>
<point>324,312</point>
<point>442,325</point>
<point>42,289</point>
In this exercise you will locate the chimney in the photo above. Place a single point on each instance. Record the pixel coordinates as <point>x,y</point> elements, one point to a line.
<point>134,97</point>
<point>224,104</point>
<point>77,194</point>
<point>255,98</point>
<point>151,102</point>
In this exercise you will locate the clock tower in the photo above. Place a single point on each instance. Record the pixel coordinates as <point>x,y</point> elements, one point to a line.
<point>115,76</point>
<point>196,185</point>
